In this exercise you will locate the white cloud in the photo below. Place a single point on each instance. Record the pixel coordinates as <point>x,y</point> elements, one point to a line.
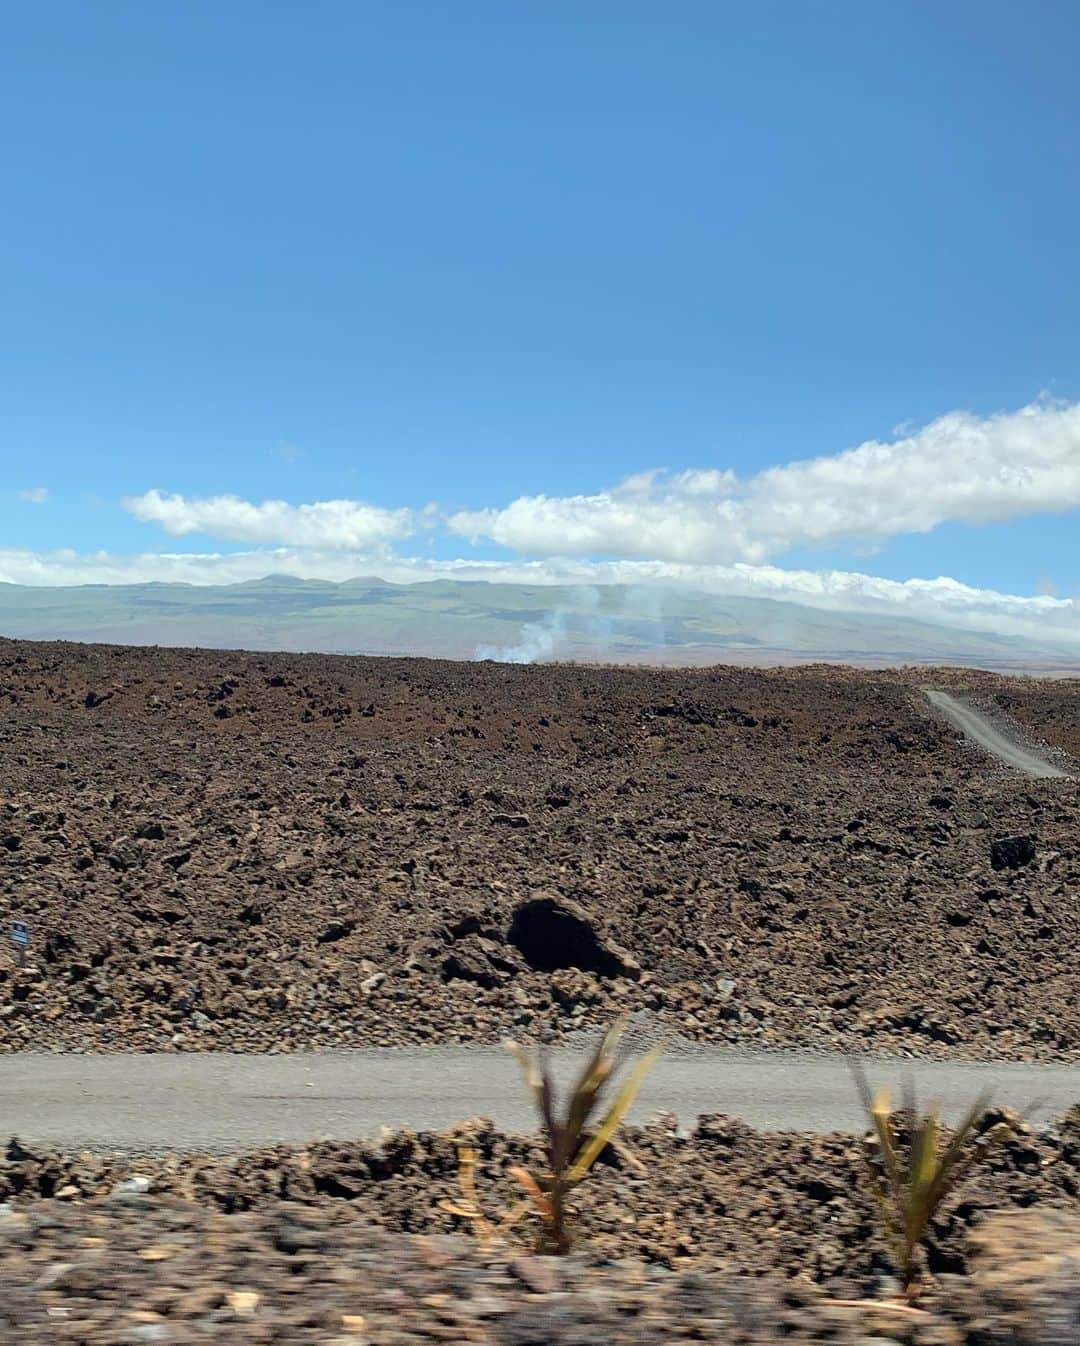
<point>960,467</point>
<point>346,524</point>
<point>1051,620</point>
<point>35,495</point>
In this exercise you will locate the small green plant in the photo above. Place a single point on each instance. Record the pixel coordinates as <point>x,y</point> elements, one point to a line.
<point>571,1145</point>
<point>913,1169</point>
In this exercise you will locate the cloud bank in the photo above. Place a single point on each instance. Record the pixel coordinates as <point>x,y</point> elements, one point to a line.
<point>958,468</point>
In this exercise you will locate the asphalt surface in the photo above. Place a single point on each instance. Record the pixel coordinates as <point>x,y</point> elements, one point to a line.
<point>221,1102</point>
<point>979,729</point>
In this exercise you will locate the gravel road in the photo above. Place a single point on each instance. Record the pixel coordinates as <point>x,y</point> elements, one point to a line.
<point>221,1102</point>
<point>978,729</point>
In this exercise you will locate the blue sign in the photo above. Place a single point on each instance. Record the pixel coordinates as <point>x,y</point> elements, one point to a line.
<point>20,934</point>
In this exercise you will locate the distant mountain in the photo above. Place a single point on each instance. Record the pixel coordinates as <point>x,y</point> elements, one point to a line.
<point>514,622</point>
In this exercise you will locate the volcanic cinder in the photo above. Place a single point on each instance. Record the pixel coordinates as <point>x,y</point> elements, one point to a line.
<point>269,851</point>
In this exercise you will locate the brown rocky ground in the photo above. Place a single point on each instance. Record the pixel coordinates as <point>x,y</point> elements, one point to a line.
<point>273,851</point>
<point>722,1235</point>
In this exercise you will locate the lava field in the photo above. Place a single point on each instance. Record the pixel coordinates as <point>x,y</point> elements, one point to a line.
<point>272,851</point>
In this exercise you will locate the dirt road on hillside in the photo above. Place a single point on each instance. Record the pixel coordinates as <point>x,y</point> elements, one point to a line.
<point>976,727</point>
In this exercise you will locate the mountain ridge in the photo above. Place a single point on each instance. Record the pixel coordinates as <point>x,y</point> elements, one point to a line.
<point>519,623</point>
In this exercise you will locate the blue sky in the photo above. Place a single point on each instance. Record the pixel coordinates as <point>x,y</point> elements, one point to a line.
<point>477,254</point>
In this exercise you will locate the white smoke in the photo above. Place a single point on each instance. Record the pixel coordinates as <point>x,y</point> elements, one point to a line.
<point>538,643</point>
<point>585,624</point>
<point>647,605</point>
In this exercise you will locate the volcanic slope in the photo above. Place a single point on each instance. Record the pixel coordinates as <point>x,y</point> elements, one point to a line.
<point>258,852</point>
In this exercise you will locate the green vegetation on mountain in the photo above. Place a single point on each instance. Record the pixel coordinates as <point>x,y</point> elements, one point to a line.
<point>517,622</point>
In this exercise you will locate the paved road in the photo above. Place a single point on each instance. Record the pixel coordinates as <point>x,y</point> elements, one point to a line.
<point>979,729</point>
<point>218,1101</point>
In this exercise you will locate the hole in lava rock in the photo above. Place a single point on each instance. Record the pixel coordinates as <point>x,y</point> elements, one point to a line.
<point>550,934</point>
